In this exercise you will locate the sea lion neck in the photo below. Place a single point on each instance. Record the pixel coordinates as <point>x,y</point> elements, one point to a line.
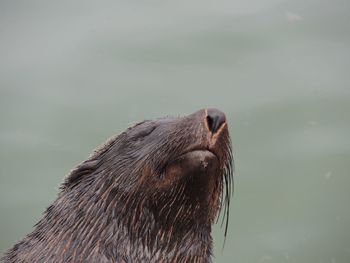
<point>101,226</point>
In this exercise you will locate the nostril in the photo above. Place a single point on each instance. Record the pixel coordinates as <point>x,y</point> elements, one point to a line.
<point>210,122</point>
<point>215,119</point>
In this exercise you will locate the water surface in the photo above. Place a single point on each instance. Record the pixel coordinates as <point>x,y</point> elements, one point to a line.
<point>73,73</point>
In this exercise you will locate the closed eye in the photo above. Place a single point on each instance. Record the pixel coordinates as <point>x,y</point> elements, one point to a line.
<point>141,132</point>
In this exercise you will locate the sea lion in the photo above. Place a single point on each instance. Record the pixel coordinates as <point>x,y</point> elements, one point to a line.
<point>150,194</point>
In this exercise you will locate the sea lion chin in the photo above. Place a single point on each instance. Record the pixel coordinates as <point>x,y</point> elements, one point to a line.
<point>193,163</point>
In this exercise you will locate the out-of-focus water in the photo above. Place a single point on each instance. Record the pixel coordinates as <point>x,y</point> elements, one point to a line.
<point>73,73</point>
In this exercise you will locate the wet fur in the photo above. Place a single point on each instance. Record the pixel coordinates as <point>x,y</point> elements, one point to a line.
<point>120,206</point>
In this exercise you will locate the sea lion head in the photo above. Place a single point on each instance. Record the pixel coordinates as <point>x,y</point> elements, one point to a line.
<point>176,168</point>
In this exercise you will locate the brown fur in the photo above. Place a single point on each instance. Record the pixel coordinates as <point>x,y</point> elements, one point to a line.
<point>150,194</point>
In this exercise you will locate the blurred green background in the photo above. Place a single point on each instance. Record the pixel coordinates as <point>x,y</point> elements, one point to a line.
<point>73,73</point>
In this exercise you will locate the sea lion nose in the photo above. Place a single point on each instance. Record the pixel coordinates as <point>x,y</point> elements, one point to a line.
<point>215,119</point>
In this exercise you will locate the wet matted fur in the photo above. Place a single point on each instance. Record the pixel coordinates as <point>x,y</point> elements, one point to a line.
<point>150,194</point>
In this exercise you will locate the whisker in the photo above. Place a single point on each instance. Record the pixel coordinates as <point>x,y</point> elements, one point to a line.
<point>227,189</point>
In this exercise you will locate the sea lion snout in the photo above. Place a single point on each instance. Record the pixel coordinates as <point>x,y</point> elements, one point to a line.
<point>206,130</point>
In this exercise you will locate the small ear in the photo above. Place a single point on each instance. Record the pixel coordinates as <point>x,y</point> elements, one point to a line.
<point>84,168</point>
<point>90,165</point>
